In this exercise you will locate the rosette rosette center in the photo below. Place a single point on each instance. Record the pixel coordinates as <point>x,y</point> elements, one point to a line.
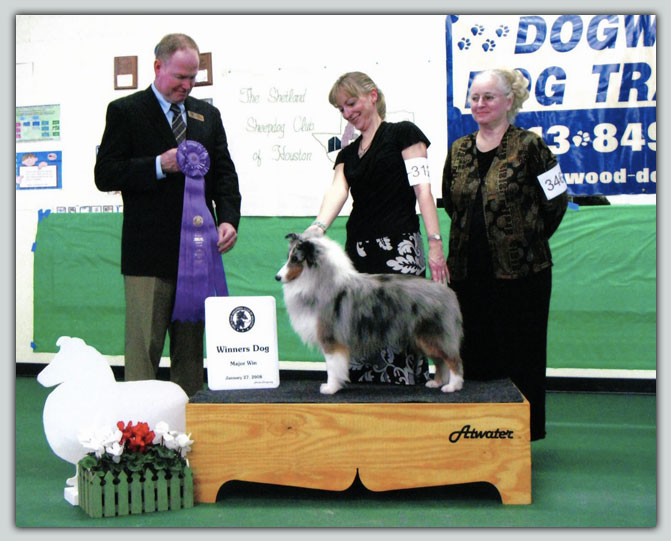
<point>193,159</point>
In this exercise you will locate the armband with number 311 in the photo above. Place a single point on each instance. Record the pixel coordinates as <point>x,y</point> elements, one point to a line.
<point>418,171</point>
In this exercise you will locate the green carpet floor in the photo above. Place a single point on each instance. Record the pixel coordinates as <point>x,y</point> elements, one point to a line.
<point>596,468</point>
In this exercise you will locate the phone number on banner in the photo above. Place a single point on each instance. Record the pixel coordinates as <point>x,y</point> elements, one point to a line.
<point>611,150</point>
<point>604,137</point>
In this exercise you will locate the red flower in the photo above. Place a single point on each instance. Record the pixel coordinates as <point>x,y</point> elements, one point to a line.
<point>136,437</point>
<point>125,431</point>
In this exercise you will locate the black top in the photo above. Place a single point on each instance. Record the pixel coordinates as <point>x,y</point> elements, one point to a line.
<point>479,257</point>
<point>383,201</point>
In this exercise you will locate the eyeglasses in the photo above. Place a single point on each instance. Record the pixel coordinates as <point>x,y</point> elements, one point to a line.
<point>474,98</point>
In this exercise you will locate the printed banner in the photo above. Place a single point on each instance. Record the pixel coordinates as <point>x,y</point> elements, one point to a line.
<point>592,85</point>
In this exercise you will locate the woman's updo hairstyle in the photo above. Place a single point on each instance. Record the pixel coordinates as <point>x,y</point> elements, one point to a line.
<point>511,82</point>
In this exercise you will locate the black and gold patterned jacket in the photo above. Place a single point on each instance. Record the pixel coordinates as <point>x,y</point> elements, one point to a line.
<point>518,216</point>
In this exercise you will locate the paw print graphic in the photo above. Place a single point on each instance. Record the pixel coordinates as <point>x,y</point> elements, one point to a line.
<point>477,29</point>
<point>581,138</point>
<point>464,43</point>
<point>488,45</point>
<point>502,31</point>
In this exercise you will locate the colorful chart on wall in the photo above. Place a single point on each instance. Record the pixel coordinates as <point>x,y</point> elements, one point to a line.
<point>38,123</point>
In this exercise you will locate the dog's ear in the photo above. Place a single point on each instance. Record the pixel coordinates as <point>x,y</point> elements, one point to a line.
<point>305,249</point>
<point>309,250</point>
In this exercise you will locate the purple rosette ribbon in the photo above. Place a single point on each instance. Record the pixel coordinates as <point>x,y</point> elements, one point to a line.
<point>200,272</point>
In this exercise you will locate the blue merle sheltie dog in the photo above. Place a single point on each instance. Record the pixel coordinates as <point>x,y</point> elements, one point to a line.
<point>346,313</point>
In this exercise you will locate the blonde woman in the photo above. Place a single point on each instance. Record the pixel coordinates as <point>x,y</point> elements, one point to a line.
<point>503,192</point>
<point>386,171</point>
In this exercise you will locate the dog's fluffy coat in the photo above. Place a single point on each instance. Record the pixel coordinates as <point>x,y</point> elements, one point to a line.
<point>346,313</point>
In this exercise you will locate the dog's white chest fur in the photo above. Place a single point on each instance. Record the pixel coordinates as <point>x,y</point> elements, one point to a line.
<point>303,313</point>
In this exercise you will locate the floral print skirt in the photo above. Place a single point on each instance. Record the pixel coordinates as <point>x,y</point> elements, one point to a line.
<point>394,254</point>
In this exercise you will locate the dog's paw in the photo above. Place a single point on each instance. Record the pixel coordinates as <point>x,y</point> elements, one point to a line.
<point>454,385</point>
<point>432,384</point>
<point>325,388</point>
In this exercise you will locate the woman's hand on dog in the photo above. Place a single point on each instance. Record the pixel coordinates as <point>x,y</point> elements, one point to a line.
<point>314,230</point>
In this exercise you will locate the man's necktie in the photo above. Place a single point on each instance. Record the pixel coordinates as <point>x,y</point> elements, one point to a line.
<point>178,126</point>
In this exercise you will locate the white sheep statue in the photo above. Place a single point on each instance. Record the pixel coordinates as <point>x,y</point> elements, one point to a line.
<point>87,397</point>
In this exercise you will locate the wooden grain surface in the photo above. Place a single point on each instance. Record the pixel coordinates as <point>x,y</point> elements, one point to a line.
<point>391,446</point>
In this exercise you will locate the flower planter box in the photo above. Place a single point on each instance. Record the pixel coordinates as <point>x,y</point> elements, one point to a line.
<point>144,492</point>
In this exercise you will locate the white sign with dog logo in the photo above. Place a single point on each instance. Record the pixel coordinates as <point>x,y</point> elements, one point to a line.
<point>241,338</point>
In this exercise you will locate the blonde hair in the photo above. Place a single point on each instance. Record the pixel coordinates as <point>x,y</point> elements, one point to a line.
<point>511,83</point>
<point>355,84</point>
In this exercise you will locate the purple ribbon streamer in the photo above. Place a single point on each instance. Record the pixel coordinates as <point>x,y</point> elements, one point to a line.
<point>200,272</point>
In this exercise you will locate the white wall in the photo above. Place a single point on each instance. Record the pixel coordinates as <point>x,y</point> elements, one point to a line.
<point>68,60</point>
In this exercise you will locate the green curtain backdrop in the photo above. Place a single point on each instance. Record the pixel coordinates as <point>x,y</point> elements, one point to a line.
<point>603,311</point>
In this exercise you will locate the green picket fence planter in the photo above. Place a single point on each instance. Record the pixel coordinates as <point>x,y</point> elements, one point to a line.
<point>112,495</point>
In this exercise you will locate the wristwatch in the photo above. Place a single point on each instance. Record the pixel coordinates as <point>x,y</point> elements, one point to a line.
<point>434,237</point>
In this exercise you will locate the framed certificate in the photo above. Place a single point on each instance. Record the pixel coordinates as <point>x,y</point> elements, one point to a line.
<point>125,72</point>
<point>204,77</point>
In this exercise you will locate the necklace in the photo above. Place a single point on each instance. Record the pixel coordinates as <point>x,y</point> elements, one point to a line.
<point>362,149</point>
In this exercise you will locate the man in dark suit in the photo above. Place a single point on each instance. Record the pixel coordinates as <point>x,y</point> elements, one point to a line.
<point>138,156</point>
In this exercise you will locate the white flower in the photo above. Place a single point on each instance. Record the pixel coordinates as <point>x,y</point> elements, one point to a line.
<point>115,451</point>
<point>184,442</point>
<point>98,439</point>
<point>112,437</point>
<point>91,443</point>
<point>172,439</point>
<point>169,440</point>
<point>160,430</point>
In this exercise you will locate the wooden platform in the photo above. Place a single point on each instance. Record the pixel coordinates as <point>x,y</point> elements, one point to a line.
<point>394,437</point>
